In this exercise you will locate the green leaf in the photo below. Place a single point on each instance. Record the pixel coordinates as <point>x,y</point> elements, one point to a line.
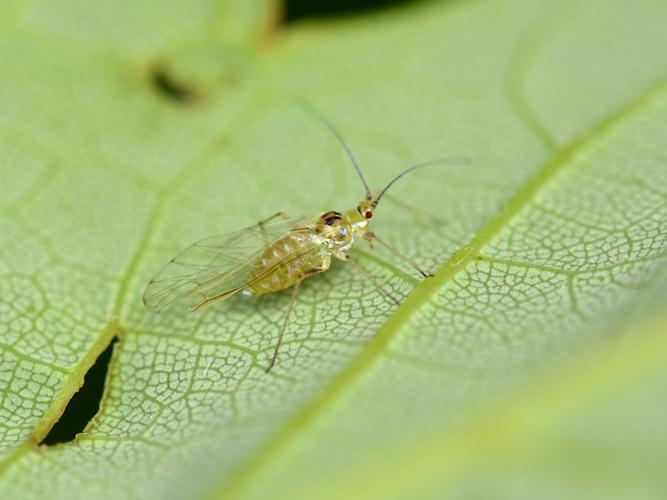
<point>530,364</point>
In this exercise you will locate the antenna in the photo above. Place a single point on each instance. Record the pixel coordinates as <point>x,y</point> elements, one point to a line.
<point>331,128</point>
<point>463,160</point>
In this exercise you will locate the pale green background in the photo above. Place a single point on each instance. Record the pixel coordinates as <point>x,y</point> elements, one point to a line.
<point>531,365</point>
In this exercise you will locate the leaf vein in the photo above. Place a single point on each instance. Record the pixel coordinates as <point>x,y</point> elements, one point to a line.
<point>423,292</point>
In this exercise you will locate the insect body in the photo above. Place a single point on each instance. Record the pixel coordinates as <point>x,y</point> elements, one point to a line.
<point>273,255</point>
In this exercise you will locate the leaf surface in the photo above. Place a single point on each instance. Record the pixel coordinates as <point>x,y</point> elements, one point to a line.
<point>125,141</point>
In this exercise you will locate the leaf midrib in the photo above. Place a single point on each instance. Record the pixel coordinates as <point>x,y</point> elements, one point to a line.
<point>517,424</point>
<point>427,289</point>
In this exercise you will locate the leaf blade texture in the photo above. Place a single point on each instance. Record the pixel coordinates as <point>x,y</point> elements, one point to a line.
<point>548,251</point>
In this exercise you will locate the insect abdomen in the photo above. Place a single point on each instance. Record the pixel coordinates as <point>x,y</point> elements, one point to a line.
<point>284,263</point>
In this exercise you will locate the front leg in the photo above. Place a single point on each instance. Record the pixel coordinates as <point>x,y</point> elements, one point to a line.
<point>320,267</point>
<point>368,235</point>
<point>342,255</point>
<point>369,277</point>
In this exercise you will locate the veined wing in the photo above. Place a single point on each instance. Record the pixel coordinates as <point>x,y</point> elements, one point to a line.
<point>213,266</point>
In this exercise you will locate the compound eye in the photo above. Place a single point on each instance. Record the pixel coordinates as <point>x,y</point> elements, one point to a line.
<point>368,214</point>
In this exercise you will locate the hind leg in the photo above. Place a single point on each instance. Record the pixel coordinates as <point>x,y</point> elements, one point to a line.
<point>284,326</point>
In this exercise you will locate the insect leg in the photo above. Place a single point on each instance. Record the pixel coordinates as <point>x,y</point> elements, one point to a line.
<point>283,215</point>
<point>282,329</point>
<point>372,279</point>
<point>261,223</point>
<point>398,254</point>
<point>269,219</point>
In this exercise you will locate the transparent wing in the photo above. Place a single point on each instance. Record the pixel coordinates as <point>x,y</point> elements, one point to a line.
<point>215,266</point>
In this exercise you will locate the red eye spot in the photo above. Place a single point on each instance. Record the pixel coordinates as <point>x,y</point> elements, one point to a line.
<point>368,214</point>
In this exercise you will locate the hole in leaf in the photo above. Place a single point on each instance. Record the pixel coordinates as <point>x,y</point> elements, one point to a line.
<point>168,87</point>
<point>85,403</point>
<point>299,9</point>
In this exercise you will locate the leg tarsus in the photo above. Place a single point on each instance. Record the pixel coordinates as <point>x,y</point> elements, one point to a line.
<point>398,254</point>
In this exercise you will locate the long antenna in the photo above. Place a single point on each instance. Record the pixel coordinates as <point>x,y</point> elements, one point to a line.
<point>463,160</point>
<point>328,125</point>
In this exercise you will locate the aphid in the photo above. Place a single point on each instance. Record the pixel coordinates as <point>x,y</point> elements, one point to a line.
<point>274,254</point>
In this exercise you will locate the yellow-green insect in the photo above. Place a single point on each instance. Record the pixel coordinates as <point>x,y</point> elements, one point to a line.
<point>274,254</point>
